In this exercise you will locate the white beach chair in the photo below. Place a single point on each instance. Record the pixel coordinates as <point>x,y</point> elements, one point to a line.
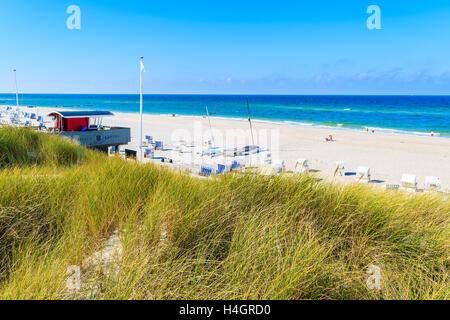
<point>177,146</point>
<point>268,158</point>
<point>235,165</point>
<point>278,167</point>
<point>392,186</point>
<point>432,183</point>
<point>409,182</point>
<point>363,174</point>
<point>339,168</point>
<point>301,165</point>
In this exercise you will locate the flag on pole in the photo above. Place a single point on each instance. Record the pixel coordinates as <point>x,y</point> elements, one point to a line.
<point>142,65</point>
<point>141,98</point>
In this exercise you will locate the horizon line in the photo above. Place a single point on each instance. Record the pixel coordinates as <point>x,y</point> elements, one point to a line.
<point>240,94</point>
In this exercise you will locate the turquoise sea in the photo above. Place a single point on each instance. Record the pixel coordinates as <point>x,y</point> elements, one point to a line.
<point>419,115</point>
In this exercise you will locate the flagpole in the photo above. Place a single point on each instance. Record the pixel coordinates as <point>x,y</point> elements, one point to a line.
<point>141,86</point>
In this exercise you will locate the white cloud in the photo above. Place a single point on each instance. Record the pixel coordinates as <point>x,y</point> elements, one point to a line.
<point>363,75</point>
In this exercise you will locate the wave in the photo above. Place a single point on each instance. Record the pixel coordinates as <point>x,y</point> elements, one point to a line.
<point>399,131</point>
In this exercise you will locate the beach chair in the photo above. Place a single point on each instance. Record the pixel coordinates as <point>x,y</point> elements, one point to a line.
<point>268,158</point>
<point>301,165</point>
<point>278,167</point>
<point>409,182</point>
<point>42,125</point>
<point>235,166</point>
<point>111,151</point>
<point>40,119</point>
<point>159,145</point>
<point>221,169</point>
<point>33,116</point>
<point>393,186</point>
<point>432,183</point>
<point>177,146</point>
<point>206,171</point>
<point>147,141</point>
<point>207,143</point>
<point>149,153</point>
<point>339,168</point>
<point>363,174</point>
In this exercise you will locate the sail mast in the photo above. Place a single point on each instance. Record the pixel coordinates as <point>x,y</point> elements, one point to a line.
<point>250,121</point>
<point>17,90</point>
<point>210,127</point>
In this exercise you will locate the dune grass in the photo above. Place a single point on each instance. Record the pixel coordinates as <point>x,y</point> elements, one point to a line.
<point>233,237</point>
<point>24,147</point>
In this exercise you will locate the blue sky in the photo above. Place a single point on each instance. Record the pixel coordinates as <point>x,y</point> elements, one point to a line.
<point>225,47</point>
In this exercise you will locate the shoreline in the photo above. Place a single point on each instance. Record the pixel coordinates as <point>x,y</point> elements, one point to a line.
<point>300,123</point>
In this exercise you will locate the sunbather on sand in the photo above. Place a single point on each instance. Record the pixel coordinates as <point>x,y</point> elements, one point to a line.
<point>329,139</point>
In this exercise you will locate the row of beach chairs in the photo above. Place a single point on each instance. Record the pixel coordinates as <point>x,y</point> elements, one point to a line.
<point>10,116</point>
<point>363,173</point>
<point>151,145</point>
<point>207,171</point>
<point>408,182</point>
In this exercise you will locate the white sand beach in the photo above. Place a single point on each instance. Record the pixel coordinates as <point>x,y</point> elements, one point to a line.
<point>388,155</point>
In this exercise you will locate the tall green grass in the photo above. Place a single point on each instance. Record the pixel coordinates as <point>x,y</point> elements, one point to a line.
<point>24,147</point>
<point>234,237</point>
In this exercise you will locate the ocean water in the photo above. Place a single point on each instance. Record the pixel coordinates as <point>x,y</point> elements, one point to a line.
<point>419,115</point>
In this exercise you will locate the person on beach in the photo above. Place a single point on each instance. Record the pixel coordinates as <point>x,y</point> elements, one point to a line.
<point>329,139</point>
